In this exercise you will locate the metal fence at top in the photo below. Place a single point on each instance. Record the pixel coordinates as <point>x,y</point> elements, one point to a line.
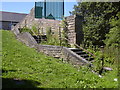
<point>49,9</point>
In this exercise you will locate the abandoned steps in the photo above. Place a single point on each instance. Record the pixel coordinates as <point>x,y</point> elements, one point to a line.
<point>67,54</point>
<point>40,38</point>
<point>77,51</point>
<point>75,57</point>
<point>82,54</point>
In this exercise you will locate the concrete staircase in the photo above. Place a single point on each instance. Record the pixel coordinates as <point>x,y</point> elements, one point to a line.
<point>82,54</point>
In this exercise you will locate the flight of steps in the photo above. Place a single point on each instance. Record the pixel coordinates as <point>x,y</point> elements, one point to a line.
<point>77,51</point>
<point>38,38</point>
<point>82,54</point>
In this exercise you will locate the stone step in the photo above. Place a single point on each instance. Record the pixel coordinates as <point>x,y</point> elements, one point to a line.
<point>84,55</point>
<point>56,56</point>
<point>89,58</point>
<point>80,52</point>
<point>75,49</point>
<point>40,38</point>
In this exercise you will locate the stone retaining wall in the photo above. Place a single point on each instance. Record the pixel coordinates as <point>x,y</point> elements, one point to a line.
<point>54,51</point>
<point>63,53</point>
<point>75,34</point>
<point>42,24</point>
<point>27,39</point>
<point>74,27</point>
<point>73,58</point>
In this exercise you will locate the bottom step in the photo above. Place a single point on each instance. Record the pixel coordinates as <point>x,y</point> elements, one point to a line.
<point>89,59</point>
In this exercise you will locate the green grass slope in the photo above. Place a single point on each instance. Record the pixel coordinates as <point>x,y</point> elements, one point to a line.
<point>0,50</point>
<point>24,67</point>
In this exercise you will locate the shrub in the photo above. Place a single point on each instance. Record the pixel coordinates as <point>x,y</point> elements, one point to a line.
<point>52,39</point>
<point>35,30</point>
<point>113,37</point>
<point>64,33</point>
<point>25,29</point>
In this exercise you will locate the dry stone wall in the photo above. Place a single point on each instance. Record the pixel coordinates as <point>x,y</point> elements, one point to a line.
<point>63,53</point>
<point>27,39</point>
<point>54,51</point>
<point>42,24</point>
<point>71,29</point>
<point>74,31</point>
<point>74,27</point>
<point>73,58</point>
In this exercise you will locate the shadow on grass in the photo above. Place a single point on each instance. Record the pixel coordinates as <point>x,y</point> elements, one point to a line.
<point>6,71</point>
<point>17,82</point>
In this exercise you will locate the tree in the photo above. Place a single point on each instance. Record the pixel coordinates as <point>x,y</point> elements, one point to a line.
<point>96,20</point>
<point>113,37</point>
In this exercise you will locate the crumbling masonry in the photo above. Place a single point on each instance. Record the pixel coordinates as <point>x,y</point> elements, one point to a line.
<point>74,26</point>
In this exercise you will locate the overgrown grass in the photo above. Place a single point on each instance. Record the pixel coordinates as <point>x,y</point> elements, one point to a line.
<point>0,59</point>
<point>24,67</point>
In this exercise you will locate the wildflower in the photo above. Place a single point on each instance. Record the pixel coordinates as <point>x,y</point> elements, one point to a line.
<point>115,79</point>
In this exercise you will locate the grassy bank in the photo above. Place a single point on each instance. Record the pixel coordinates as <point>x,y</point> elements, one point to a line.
<point>24,67</point>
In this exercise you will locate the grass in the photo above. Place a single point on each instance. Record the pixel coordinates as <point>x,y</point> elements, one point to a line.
<point>24,67</point>
<point>0,50</point>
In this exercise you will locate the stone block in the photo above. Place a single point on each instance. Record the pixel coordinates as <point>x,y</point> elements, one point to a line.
<point>15,31</point>
<point>27,39</point>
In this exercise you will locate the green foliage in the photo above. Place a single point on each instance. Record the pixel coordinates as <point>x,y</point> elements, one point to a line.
<point>52,39</point>
<point>64,33</point>
<point>0,50</point>
<point>112,41</point>
<point>64,24</point>
<point>48,32</point>
<point>40,71</point>
<point>110,55</point>
<point>35,30</point>
<point>96,20</point>
<point>113,37</point>
<point>101,27</point>
<point>113,54</point>
<point>25,29</point>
